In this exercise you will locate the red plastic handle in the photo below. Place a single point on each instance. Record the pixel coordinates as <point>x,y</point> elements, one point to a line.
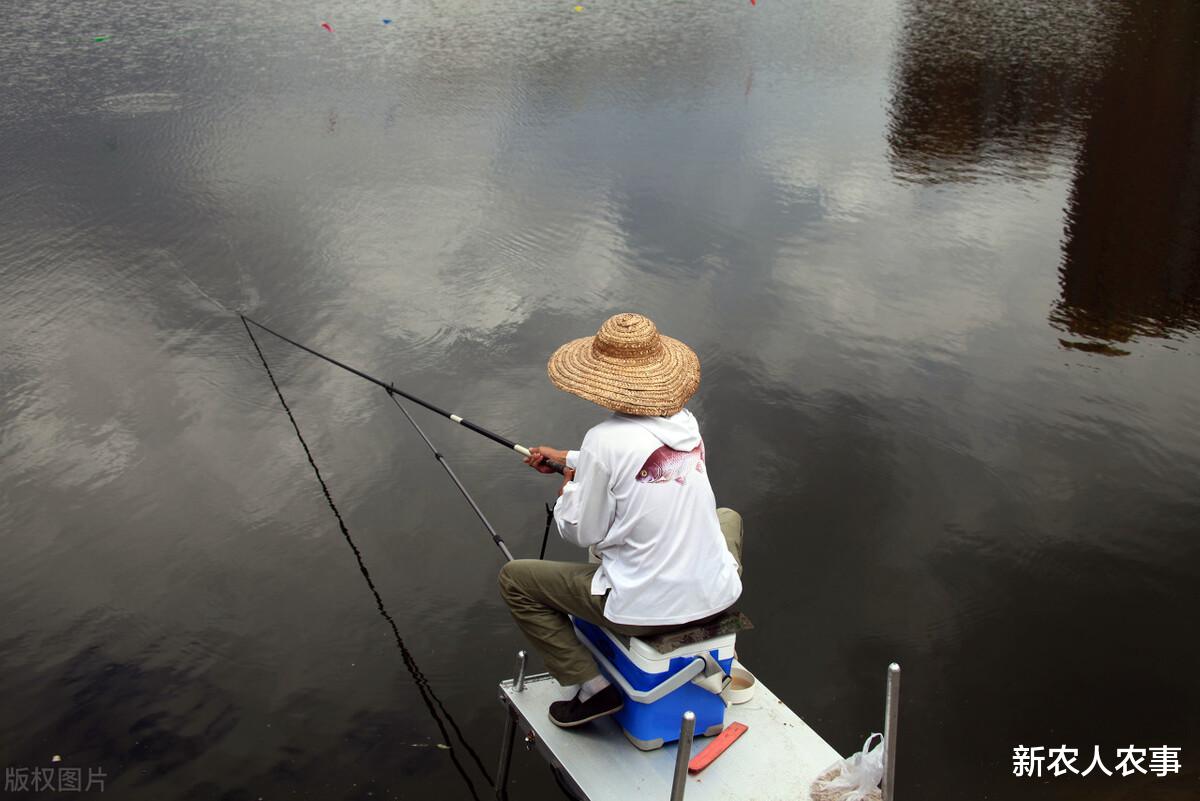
<point>717,747</point>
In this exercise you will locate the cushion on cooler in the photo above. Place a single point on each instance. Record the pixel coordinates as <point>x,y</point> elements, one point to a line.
<point>730,622</point>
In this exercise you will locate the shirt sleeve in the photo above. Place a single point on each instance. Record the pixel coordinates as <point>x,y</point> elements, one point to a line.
<point>585,510</point>
<point>572,459</point>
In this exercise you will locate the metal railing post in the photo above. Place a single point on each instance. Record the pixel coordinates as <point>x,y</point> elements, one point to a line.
<point>684,755</point>
<point>510,729</point>
<point>891,720</point>
<point>519,681</point>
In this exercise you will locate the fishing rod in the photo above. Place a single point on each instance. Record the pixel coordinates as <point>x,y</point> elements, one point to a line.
<point>391,390</point>
<point>442,460</point>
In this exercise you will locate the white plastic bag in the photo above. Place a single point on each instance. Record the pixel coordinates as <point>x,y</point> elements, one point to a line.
<point>855,778</point>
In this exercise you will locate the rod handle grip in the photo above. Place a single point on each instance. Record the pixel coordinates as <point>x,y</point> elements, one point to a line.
<point>553,465</point>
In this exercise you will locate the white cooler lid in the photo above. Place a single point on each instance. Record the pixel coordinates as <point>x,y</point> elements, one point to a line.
<point>647,658</point>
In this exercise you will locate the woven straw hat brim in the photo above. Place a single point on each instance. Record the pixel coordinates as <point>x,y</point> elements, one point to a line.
<point>659,384</point>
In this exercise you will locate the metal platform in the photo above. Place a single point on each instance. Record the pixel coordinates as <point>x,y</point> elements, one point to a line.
<point>777,758</point>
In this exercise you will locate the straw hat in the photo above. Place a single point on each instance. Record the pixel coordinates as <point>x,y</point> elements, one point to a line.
<point>628,367</point>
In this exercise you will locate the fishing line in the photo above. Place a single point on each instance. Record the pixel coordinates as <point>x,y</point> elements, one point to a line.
<point>423,686</point>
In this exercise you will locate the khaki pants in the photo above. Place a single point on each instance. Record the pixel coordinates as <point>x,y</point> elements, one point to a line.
<point>541,594</point>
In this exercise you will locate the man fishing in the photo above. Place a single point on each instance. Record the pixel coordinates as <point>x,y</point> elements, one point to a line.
<point>637,493</point>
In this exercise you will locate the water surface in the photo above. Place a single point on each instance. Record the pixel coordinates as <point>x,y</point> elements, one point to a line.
<point>938,259</point>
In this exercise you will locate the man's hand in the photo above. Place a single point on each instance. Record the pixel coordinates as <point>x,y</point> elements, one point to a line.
<point>541,453</point>
<point>568,476</point>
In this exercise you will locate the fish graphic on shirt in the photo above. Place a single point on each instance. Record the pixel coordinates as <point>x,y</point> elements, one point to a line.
<point>667,464</point>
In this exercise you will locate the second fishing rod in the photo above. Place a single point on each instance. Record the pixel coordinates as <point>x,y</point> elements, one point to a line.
<point>391,390</point>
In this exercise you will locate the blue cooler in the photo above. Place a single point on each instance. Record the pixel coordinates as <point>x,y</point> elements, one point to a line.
<point>659,687</point>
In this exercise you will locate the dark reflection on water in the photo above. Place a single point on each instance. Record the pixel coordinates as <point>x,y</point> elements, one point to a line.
<point>1015,89</point>
<point>995,88</point>
<point>117,713</point>
<point>859,214</point>
<point>1131,256</point>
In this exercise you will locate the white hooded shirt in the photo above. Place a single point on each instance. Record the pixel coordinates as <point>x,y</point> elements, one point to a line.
<point>641,497</point>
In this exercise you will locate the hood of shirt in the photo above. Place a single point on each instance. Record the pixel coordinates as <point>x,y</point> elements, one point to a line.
<point>680,431</point>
